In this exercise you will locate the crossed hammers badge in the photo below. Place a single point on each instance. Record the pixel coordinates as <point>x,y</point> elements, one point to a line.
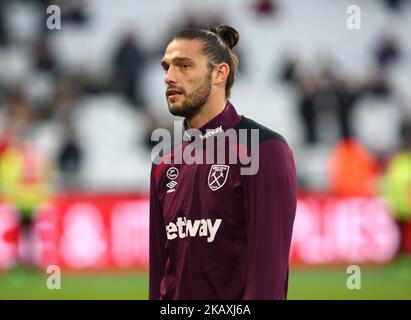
<point>217,176</point>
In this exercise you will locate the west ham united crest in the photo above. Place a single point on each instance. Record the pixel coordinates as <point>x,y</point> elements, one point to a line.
<point>217,176</point>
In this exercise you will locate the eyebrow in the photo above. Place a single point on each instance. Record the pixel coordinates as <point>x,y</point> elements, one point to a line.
<point>176,60</point>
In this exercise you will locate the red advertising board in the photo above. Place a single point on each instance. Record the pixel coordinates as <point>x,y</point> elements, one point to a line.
<point>331,230</point>
<point>111,231</point>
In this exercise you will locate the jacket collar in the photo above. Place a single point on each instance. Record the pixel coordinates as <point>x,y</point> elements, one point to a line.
<point>226,119</point>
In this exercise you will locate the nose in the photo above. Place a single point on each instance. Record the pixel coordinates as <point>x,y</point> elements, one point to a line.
<point>170,77</point>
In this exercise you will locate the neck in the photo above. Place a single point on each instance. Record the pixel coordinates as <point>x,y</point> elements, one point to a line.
<point>210,110</point>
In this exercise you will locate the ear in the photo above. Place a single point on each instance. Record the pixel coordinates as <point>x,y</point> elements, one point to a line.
<point>220,73</point>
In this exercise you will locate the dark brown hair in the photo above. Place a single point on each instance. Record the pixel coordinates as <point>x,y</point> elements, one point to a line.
<point>218,44</point>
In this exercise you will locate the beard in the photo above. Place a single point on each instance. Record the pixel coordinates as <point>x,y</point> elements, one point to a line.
<point>194,101</point>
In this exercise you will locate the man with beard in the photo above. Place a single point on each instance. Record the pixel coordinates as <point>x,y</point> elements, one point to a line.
<point>216,233</point>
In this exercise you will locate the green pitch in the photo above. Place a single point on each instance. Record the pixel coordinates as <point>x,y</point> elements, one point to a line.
<point>377,282</point>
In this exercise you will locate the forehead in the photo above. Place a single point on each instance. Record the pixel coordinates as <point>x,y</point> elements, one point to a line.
<point>184,48</point>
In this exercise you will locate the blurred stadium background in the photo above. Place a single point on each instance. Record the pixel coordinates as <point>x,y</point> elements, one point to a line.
<point>78,105</point>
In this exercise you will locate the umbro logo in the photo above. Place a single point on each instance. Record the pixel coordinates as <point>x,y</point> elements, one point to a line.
<point>171,184</point>
<point>172,174</point>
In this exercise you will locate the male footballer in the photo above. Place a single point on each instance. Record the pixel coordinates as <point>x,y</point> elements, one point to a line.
<point>215,232</point>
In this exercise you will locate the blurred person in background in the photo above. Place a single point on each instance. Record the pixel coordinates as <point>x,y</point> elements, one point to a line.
<point>396,187</point>
<point>308,91</point>
<point>70,153</point>
<point>266,7</point>
<point>128,66</point>
<point>69,158</point>
<point>387,51</point>
<point>3,33</point>
<point>352,170</point>
<point>43,55</point>
<point>379,85</point>
<point>24,173</point>
<point>74,11</point>
<point>394,5</point>
<point>288,72</point>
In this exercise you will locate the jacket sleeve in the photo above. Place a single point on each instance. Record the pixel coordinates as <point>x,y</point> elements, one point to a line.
<point>270,205</point>
<point>157,240</point>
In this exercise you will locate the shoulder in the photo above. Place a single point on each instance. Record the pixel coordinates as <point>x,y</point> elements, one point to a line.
<point>269,154</point>
<point>264,148</point>
<point>264,133</point>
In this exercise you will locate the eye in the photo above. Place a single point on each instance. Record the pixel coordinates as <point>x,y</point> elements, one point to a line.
<point>184,66</point>
<point>165,66</point>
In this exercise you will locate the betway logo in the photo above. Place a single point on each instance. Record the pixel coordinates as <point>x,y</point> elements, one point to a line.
<point>212,132</point>
<point>192,228</point>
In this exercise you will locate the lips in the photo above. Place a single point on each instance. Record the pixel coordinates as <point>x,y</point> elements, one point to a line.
<point>173,92</point>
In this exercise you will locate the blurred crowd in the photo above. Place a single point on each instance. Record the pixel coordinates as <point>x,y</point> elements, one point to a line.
<point>353,168</point>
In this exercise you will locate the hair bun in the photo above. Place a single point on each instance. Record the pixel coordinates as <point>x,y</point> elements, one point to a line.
<point>228,34</point>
